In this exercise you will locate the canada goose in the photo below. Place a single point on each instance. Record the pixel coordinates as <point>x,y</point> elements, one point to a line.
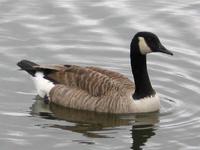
<point>101,90</point>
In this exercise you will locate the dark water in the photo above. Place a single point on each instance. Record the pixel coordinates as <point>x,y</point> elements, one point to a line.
<point>98,33</point>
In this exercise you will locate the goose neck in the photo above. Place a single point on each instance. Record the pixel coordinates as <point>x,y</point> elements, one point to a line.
<point>143,87</point>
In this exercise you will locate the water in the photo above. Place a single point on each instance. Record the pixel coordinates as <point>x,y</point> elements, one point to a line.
<point>98,33</point>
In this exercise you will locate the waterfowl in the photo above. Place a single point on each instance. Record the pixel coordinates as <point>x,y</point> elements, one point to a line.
<point>97,89</point>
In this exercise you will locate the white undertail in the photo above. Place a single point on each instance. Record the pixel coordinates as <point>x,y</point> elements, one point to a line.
<point>43,86</point>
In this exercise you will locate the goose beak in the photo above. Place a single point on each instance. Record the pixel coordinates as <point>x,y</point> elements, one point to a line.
<point>162,49</point>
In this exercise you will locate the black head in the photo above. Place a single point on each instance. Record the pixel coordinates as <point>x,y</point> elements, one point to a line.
<point>148,42</point>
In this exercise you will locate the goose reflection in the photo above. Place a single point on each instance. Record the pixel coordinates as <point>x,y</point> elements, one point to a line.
<point>87,123</point>
<point>141,134</point>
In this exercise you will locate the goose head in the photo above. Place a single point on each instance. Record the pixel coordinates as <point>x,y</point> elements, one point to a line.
<point>147,42</point>
<point>142,44</point>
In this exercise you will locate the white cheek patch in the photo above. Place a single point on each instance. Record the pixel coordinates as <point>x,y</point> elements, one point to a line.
<point>144,48</point>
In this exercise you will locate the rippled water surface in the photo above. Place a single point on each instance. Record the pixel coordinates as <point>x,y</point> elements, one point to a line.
<point>98,33</point>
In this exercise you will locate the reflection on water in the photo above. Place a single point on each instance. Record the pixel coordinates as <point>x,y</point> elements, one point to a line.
<point>90,123</point>
<point>141,134</point>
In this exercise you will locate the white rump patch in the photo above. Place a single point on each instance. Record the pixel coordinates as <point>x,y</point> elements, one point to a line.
<point>43,86</point>
<point>144,48</point>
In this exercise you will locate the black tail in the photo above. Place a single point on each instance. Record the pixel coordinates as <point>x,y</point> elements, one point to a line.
<point>27,66</point>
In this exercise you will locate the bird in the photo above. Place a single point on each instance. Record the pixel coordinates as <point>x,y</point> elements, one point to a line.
<point>92,88</point>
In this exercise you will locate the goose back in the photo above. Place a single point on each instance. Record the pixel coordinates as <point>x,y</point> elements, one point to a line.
<point>95,81</point>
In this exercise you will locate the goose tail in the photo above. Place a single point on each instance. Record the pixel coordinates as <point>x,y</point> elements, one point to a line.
<point>28,66</point>
<point>42,84</point>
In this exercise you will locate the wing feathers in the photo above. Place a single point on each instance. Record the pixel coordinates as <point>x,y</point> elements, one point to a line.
<point>114,75</point>
<point>95,81</point>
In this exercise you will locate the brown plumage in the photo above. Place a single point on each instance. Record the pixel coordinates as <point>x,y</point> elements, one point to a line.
<point>89,88</point>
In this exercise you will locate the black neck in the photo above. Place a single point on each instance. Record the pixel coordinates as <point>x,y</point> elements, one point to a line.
<point>143,86</point>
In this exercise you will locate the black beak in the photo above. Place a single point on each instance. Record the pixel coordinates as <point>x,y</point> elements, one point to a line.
<point>162,49</point>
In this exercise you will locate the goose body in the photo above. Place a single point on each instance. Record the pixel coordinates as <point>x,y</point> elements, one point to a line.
<point>97,89</point>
